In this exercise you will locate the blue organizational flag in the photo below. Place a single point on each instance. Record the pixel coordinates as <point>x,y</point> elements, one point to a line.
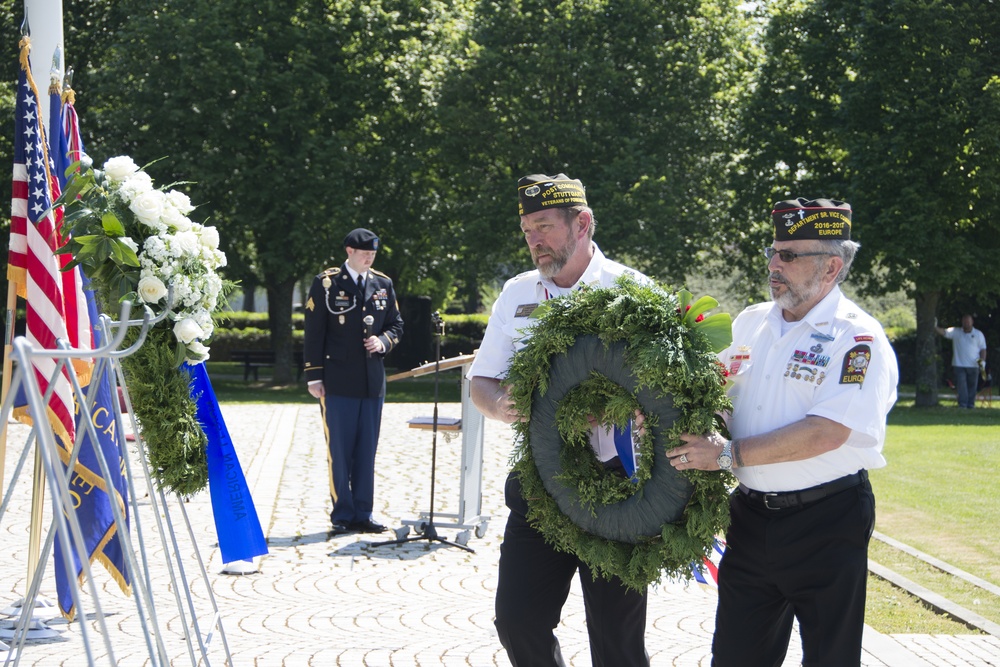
<point>87,486</point>
<point>91,497</point>
<point>236,522</point>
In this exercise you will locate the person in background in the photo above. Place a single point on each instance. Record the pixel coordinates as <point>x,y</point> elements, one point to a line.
<point>352,322</point>
<point>968,359</point>
<point>813,379</point>
<point>534,579</point>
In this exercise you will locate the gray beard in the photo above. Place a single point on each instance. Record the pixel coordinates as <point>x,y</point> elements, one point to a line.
<point>556,261</point>
<point>792,298</point>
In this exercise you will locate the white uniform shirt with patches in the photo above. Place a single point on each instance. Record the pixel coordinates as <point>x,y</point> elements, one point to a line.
<point>510,322</point>
<point>835,363</point>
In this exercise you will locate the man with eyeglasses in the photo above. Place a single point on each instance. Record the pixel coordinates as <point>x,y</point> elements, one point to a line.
<point>813,378</point>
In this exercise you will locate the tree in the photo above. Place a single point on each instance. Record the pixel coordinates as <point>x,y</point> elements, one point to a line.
<point>634,98</point>
<point>276,112</point>
<point>893,108</point>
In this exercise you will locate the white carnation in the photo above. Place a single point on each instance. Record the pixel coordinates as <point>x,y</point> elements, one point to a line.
<point>181,201</point>
<point>135,185</point>
<point>156,249</point>
<point>187,331</point>
<point>148,206</point>
<point>151,289</point>
<point>182,288</point>
<point>119,168</point>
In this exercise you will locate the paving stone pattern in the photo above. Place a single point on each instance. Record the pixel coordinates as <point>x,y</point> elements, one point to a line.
<point>327,601</point>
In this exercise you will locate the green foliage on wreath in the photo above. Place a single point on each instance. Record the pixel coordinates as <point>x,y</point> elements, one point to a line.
<point>671,349</point>
<point>162,401</point>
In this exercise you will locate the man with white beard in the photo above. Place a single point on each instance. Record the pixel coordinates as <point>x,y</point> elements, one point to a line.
<point>813,378</point>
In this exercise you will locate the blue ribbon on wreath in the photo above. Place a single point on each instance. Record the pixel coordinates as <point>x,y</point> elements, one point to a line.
<point>236,522</point>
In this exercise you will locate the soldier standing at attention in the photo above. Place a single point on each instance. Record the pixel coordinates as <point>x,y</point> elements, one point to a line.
<point>352,322</point>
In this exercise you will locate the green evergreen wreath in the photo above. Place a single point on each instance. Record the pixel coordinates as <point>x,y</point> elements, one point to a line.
<point>605,352</point>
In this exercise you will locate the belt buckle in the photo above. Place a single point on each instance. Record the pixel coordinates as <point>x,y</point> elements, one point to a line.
<point>767,504</point>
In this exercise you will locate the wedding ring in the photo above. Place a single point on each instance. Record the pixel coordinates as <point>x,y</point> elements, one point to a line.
<point>684,458</point>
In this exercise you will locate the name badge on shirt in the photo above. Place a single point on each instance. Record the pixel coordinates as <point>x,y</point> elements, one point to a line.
<point>525,310</point>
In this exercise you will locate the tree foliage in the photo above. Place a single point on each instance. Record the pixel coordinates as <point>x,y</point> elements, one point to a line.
<point>893,108</point>
<point>634,98</point>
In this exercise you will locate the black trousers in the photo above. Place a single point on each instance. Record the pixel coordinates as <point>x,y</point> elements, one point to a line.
<point>809,563</point>
<point>534,582</point>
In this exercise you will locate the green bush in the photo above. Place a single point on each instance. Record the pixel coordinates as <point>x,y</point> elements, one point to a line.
<point>240,330</point>
<point>225,341</point>
<point>241,319</point>
<point>462,334</point>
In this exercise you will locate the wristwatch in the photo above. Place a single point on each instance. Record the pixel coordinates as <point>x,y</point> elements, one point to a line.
<point>725,459</point>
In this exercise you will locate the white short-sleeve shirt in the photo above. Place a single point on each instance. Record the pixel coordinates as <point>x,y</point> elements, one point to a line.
<point>835,363</point>
<point>965,346</point>
<point>510,322</point>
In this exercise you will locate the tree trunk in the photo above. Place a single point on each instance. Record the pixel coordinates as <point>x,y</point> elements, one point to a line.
<point>927,349</point>
<point>279,312</point>
<point>249,290</point>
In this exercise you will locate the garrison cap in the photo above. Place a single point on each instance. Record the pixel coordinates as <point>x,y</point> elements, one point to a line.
<point>538,191</point>
<point>816,219</point>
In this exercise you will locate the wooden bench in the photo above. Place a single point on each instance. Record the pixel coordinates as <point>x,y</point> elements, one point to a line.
<point>253,360</point>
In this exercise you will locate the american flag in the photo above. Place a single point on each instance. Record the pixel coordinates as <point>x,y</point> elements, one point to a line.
<point>34,266</point>
<point>707,571</point>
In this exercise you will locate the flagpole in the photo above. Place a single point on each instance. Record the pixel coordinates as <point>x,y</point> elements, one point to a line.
<point>8,350</point>
<point>43,23</point>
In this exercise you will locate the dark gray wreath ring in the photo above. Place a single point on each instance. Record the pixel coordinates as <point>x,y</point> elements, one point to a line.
<point>661,499</point>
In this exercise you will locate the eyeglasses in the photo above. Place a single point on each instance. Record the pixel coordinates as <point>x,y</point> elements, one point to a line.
<point>787,256</point>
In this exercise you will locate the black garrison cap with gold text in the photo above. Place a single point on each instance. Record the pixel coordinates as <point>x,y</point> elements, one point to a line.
<point>538,191</point>
<point>816,219</point>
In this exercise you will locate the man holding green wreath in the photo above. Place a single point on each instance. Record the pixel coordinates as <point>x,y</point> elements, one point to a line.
<point>812,380</point>
<point>534,578</point>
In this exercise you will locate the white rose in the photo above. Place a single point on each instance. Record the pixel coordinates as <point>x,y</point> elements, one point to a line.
<point>181,201</point>
<point>187,331</point>
<point>172,217</point>
<point>151,289</point>
<point>119,168</point>
<point>197,353</point>
<point>127,241</point>
<point>184,243</point>
<point>148,206</point>
<point>210,237</point>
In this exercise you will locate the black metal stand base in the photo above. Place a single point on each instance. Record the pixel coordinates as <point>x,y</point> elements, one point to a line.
<point>429,531</point>
<point>429,534</point>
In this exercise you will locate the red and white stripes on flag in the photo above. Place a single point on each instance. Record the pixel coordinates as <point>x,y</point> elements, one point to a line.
<point>707,571</point>
<point>34,241</point>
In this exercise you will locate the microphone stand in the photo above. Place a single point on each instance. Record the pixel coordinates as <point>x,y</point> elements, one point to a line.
<point>429,532</point>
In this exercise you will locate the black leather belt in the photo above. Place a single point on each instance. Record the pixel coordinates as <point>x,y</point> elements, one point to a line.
<point>788,499</point>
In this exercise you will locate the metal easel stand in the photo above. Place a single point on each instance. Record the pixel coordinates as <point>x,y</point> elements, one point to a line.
<point>469,516</point>
<point>65,519</point>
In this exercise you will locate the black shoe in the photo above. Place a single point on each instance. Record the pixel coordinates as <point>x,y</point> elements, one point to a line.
<point>341,528</point>
<point>368,526</point>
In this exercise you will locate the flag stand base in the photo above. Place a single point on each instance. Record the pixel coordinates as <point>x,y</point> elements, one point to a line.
<point>42,611</point>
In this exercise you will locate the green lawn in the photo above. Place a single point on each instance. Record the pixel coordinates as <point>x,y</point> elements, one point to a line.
<point>938,494</point>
